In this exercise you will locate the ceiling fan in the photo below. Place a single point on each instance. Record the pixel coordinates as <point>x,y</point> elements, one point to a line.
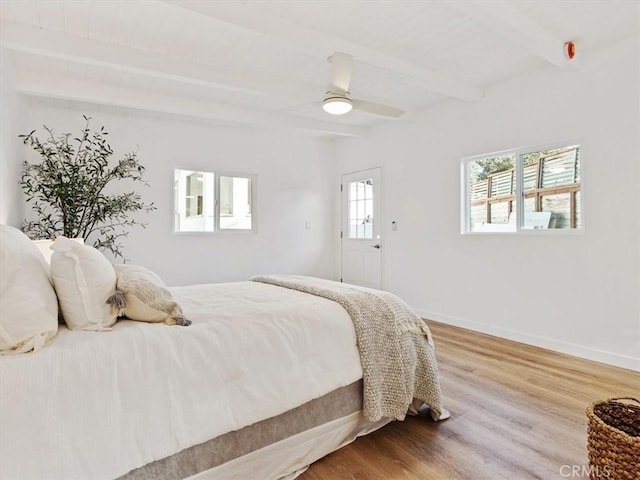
<point>337,99</point>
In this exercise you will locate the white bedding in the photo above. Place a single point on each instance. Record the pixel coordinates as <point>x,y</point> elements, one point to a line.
<point>99,404</point>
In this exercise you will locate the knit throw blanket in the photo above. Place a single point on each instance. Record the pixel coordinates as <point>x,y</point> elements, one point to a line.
<point>396,348</point>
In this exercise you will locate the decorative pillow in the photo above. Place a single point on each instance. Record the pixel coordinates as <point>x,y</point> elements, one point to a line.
<point>28,304</point>
<point>84,279</point>
<point>141,295</point>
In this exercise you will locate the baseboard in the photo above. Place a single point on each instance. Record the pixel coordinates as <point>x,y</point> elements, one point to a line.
<point>601,356</point>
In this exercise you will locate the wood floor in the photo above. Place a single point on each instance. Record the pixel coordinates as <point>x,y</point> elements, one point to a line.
<point>517,413</point>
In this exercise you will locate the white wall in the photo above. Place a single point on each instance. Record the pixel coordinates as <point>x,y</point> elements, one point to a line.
<point>573,293</point>
<point>294,173</point>
<point>11,199</point>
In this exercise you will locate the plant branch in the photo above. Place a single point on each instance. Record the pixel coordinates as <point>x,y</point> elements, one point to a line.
<point>68,188</point>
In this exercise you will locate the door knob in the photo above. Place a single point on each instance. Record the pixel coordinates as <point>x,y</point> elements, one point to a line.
<point>377,245</point>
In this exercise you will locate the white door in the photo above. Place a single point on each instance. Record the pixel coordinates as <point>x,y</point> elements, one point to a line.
<point>361,228</point>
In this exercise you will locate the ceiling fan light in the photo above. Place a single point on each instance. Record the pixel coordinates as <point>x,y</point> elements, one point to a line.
<point>337,105</point>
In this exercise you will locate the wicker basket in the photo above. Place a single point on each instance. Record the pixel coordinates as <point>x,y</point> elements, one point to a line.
<point>614,439</point>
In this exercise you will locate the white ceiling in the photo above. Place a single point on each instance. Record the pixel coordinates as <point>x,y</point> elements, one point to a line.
<point>265,62</point>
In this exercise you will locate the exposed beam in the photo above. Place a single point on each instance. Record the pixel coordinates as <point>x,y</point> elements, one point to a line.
<point>107,55</point>
<point>322,45</point>
<point>103,94</point>
<point>506,20</point>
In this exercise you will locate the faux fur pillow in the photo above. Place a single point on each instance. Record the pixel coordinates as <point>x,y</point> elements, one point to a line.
<point>142,295</point>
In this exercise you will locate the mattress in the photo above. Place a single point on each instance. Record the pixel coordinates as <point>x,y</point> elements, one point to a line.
<point>273,448</point>
<point>103,404</point>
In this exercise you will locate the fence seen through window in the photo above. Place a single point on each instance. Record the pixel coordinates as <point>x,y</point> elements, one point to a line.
<point>549,181</point>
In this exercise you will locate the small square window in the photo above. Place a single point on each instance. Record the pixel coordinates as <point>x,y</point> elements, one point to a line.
<point>206,201</point>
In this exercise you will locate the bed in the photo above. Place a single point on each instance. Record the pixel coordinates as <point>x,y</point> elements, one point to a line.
<point>269,377</point>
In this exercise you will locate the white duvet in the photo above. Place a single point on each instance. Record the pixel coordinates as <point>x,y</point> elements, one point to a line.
<point>94,405</point>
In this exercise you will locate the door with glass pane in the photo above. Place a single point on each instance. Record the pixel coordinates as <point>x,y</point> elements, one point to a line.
<point>361,228</point>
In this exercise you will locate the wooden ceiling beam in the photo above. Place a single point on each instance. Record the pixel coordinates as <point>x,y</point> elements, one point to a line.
<point>506,20</point>
<point>92,52</point>
<point>322,45</point>
<point>102,54</point>
<point>118,96</point>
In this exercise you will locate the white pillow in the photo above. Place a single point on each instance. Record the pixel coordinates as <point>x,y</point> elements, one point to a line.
<point>83,279</point>
<point>28,305</point>
<point>45,248</point>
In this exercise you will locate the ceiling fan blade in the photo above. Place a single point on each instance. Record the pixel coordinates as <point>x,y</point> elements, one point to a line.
<point>341,71</point>
<point>377,108</point>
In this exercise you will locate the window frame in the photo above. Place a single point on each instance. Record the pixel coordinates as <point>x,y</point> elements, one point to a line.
<point>518,153</point>
<point>253,178</point>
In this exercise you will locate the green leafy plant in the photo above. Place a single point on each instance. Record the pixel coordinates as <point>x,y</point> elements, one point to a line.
<point>67,189</point>
<point>481,169</point>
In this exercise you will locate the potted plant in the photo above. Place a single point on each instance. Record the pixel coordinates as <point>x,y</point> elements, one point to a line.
<point>68,189</point>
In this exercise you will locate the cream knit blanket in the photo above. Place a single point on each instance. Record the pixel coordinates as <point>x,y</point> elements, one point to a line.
<point>396,348</point>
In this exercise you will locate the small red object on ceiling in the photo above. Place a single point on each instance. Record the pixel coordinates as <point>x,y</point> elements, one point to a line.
<point>570,50</point>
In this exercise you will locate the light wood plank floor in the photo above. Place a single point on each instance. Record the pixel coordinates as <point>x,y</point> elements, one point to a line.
<point>517,413</point>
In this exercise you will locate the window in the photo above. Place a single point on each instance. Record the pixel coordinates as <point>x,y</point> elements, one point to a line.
<point>360,209</point>
<point>539,185</point>
<point>207,201</point>
<point>235,203</point>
